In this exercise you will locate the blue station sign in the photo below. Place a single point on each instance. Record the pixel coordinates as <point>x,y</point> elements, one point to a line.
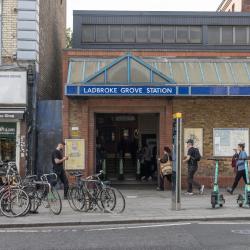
<point>163,90</point>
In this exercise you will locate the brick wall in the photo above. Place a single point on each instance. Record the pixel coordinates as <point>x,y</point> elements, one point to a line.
<point>209,113</point>
<point>9,30</point>
<point>52,18</point>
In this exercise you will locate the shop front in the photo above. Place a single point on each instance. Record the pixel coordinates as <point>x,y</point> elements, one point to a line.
<point>12,118</point>
<point>112,109</point>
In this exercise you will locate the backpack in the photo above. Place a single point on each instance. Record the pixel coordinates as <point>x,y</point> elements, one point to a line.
<point>197,155</point>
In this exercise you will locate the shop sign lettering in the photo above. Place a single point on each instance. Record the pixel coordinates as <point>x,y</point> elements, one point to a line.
<point>127,91</point>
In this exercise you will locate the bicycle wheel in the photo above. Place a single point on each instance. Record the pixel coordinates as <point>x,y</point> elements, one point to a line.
<point>120,201</point>
<point>54,201</point>
<point>77,197</point>
<point>14,202</point>
<point>108,199</point>
<point>69,198</point>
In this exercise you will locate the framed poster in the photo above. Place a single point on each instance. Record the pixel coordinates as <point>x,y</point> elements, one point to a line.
<point>75,150</point>
<point>226,139</point>
<point>196,134</point>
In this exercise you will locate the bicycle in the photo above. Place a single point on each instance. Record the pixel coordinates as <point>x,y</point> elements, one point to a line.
<point>92,193</point>
<point>42,193</point>
<point>14,201</point>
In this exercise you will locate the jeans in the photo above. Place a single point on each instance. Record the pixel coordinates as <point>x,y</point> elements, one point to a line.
<point>238,176</point>
<point>62,176</point>
<point>191,182</point>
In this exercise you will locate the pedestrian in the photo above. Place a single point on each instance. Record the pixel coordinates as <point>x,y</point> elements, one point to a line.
<point>241,155</point>
<point>146,170</point>
<point>57,160</point>
<point>192,158</point>
<point>167,158</point>
<point>234,161</point>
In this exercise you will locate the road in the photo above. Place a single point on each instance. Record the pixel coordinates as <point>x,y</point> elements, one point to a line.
<point>203,235</point>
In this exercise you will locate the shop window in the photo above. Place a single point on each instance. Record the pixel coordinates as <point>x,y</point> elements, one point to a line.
<point>115,33</point>
<point>155,34</point>
<point>240,35</point>
<point>142,34</point>
<point>8,141</point>
<point>168,34</point>
<point>101,33</point>
<point>182,34</point>
<point>88,33</point>
<point>128,33</point>
<point>118,73</point>
<point>139,73</point>
<point>227,35</point>
<point>213,35</point>
<point>195,34</point>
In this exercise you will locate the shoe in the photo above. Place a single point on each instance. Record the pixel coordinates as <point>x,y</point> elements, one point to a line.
<point>189,193</point>
<point>202,189</point>
<point>230,191</point>
<point>150,178</point>
<point>143,178</point>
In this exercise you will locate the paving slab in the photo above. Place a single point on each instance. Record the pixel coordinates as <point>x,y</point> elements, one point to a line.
<point>141,206</point>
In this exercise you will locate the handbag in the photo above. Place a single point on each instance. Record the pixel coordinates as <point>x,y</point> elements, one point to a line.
<point>166,168</point>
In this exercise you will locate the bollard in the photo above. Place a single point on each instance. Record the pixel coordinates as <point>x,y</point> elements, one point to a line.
<point>104,168</point>
<point>138,169</point>
<point>121,176</point>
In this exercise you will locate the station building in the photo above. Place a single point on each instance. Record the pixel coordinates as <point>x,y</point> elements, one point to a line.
<point>129,72</point>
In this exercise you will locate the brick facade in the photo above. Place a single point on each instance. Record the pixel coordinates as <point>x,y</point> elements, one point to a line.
<point>9,31</point>
<point>206,113</point>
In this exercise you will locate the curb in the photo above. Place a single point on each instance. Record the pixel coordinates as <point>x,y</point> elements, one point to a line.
<point>122,222</point>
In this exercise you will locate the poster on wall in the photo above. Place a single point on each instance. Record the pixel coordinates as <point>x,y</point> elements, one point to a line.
<point>226,139</point>
<point>196,134</point>
<point>75,150</point>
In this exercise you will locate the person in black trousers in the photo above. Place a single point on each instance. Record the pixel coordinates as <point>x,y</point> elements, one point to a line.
<point>57,160</point>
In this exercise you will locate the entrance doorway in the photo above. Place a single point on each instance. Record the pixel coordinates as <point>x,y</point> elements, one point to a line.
<point>119,141</point>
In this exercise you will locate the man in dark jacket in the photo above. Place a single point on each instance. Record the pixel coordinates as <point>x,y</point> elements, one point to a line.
<point>57,160</point>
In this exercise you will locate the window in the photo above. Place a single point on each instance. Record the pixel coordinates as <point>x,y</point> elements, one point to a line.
<point>195,34</point>
<point>88,33</point>
<point>168,34</point>
<point>115,33</point>
<point>139,73</point>
<point>213,35</point>
<point>155,34</point>
<point>227,35</point>
<point>240,35</point>
<point>182,34</point>
<point>101,33</point>
<point>118,73</point>
<point>128,33</point>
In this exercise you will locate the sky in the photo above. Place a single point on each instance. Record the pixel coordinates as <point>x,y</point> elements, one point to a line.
<point>153,5</point>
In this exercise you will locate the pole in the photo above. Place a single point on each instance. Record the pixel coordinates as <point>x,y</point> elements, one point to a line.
<point>177,149</point>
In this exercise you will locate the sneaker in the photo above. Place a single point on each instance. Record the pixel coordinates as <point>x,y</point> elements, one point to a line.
<point>202,189</point>
<point>143,178</point>
<point>189,193</point>
<point>150,178</point>
<point>230,191</point>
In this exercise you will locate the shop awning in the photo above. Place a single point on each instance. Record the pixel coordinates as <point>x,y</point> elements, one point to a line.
<point>190,76</point>
<point>15,113</point>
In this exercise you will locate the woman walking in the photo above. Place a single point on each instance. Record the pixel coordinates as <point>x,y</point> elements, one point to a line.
<point>167,157</point>
<point>241,156</point>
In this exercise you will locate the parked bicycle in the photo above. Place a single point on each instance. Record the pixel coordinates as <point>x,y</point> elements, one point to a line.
<point>41,192</point>
<point>92,194</point>
<point>14,201</point>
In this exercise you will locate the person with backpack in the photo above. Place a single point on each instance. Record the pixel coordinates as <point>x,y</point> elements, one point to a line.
<point>192,159</point>
<point>240,166</point>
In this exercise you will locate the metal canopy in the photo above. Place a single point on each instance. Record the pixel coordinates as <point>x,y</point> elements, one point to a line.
<point>192,77</point>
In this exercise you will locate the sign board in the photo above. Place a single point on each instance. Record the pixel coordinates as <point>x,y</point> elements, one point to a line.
<point>7,130</point>
<point>13,85</point>
<point>11,115</point>
<point>75,150</point>
<point>196,134</point>
<point>226,139</point>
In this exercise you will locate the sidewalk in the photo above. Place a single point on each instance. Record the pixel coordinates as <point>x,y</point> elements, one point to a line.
<point>141,206</point>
